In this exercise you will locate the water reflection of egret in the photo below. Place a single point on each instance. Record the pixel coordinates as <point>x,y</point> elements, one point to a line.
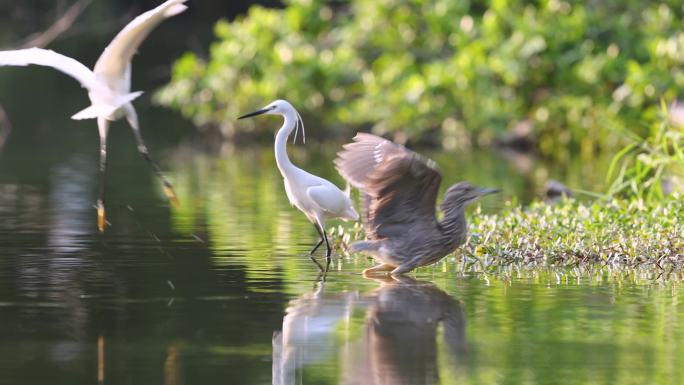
<point>69,194</point>
<point>398,344</point>
<point>108,84</point>
<point>307,336</point>
<point>316,197</point>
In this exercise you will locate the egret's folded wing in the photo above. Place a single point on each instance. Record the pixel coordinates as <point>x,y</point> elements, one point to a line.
<point>116,57</point>
<point>48,58</point>
<point>325,201</point>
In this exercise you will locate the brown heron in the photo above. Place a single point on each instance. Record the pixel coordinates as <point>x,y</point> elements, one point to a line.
<point>399,191</point>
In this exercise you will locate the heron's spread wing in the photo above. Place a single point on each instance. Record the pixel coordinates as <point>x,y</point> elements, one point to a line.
<point>49,58</point>
<point>116,58</point>
<point>400,186</point>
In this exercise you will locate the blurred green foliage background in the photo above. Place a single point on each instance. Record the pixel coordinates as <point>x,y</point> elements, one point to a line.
<point>561,76</point>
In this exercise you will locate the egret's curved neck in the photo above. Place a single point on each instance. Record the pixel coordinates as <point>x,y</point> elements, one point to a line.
<point>284,165</point>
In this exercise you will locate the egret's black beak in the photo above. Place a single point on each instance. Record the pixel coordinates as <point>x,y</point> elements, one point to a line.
<point>255,113</point>
<point>486,191</point>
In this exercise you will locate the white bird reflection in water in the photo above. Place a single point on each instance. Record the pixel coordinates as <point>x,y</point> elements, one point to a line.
<point>70,202</point>
<point>399,344</point>
<point>308,331</point>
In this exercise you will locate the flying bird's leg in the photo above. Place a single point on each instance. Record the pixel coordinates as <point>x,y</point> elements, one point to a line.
<point>132,118</point>
<point>103,127</point>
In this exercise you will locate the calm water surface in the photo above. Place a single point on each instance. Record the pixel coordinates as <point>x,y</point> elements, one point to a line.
<point>220,290</point>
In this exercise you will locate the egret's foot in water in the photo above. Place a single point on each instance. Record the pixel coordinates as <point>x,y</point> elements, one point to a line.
<point>320,268</point>
<point>100,217</point>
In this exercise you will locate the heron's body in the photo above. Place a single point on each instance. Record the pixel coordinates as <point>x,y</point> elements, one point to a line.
<point>108,84</point>
<point>399,196</point>
<point>423,244</point>
<point>316,197</point>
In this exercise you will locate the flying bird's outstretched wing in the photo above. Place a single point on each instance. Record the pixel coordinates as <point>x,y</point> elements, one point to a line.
<point>116,58</point>
<point>399,186</point>
<point>49,58</point>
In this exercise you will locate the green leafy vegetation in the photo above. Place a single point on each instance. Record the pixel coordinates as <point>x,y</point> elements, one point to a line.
<point>637,224</point>
<point>652,167</point>
<point>564,73</point>
<point>618,233</point>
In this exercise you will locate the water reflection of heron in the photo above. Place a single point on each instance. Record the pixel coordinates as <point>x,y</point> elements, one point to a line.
<point>399,340</point>
<point>400,345</point>
<point>108,84</point>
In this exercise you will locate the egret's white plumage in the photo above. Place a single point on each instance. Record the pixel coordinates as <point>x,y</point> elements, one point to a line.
<point>108,84</point>
<point>316,197</point>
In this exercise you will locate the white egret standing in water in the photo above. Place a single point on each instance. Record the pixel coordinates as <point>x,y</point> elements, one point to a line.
<point>316,197</point>
<point>108,84</point>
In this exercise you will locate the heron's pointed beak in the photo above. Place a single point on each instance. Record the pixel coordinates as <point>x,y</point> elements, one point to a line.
<point>486,191</point>
<point>255,113</point>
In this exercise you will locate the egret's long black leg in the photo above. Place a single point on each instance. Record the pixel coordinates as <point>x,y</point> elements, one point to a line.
<point>328,251</point>
<point>311,256</point>
<point>103,127</point>
<point>142,149</point>
<point>320,241</point>
<point>321,229</point>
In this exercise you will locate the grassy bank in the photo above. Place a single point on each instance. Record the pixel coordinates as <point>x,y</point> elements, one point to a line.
<point>618,233</point>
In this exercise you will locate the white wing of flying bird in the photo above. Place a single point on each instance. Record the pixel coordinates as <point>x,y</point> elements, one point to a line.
<point>116,58</point>
<point>48,58</point>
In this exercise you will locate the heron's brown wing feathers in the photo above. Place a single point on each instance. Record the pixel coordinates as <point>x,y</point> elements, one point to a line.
<point>401,185</point>
<point>363,155</point>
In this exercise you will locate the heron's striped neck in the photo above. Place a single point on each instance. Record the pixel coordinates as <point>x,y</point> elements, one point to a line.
<point>284,164</point>
<point>454,223</point>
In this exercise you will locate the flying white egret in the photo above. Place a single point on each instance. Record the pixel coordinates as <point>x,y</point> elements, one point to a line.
<point>316,197</point>
<point>108,85</point>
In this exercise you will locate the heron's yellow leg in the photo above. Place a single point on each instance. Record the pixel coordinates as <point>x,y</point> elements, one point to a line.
<point>379,268</point>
